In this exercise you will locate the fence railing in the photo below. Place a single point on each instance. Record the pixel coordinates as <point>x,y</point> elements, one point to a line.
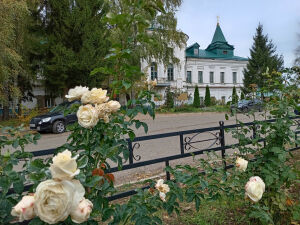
<point>188,139</point>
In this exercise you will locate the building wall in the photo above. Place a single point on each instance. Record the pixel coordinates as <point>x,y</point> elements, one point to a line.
<point>217,89</point>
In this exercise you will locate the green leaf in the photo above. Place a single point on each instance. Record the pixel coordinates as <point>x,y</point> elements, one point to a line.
<point>15,144</point>
<point>82,162</point>
<point>131,135</point>
<point>18,186</point>
<point>126,84</point>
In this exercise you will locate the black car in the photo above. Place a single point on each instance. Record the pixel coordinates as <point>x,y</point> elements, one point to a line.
<point>248,105</point>
<point>54,121</point>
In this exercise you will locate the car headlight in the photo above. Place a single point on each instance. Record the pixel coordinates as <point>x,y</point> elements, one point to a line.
<point>45,120</point>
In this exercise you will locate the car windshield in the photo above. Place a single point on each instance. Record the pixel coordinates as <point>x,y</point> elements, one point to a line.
<point>241,102</point>
<point>60,108</point>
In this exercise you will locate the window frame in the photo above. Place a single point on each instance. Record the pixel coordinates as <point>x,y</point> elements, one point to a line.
<point>211,77</point>
<point>170,72</point>
<point>234,77</point>
<point>200,81</point>
<point>153,71</point>
<point>189,78</point>
<point>222,77</point>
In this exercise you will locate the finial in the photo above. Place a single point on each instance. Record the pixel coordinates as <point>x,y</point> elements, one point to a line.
<point>218,20</point>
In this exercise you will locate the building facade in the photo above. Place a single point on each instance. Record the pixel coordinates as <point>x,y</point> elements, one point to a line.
<point>216,67</point>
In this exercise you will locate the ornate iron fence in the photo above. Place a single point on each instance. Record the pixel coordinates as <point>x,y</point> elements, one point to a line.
<point>214,137</point>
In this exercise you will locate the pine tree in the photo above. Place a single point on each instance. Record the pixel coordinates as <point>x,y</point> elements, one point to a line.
<point>74,42</point>
<point>262,56</point>
<point>242,95</point>
<point>196,102</point>
<point>207,100</point>
<point>234,96</point>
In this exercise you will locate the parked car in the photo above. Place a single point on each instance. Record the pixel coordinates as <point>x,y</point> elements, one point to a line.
<point>54,121</point>
<point>247,105</point>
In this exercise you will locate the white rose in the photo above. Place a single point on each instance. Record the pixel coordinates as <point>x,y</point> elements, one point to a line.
<point>64,167</point>
<point>161,187</point>
<point>95,96</point>
<point>87,116</point>
<point>24,210</point>
<point>103,109</point>
<point>241,164</point>
<point>76,93</point>
<point>82,211</point>
<point>255,188</point>
<point>114,106</point>
<point>54,200</point>
<point>162,196</point>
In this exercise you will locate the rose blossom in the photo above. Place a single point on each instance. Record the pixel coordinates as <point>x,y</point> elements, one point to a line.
<point>64,166</point>
<point>114,106</point>
<point>24,210</point>
<point>162,196</point>
<point>76,93</point>
<point>82,211</point>
<point>95,96</point>
<point>161,187</point>
<point>54,200</point>
<point>255,188</point>
<point>87,116</point>
<point>241,164</point>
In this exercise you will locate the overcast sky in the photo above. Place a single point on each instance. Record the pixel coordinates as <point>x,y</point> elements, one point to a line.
<point>239,19</point>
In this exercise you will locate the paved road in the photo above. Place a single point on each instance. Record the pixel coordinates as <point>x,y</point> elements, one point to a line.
<point>159,147</point>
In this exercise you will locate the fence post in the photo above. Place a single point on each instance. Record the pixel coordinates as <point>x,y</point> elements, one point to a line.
<point>181,144</point>
<point>167,173</point>
<point>130,152</point>
<point>222,142</point>
<point>254,131</point>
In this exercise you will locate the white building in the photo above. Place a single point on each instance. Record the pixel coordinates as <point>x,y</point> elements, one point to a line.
<point>215,66</point>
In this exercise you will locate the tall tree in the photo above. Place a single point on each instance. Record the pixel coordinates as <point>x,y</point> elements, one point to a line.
<point>145,30</point>
<point>75,42</point>
<point>13,14</point>
<point>262,57</point>
<point>207,100</point>
<point>196,102</point>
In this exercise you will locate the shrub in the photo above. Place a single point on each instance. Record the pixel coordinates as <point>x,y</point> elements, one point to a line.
<point>207,100</point>
<point>169,98</point>
<point>234,97</point>
<point>196,102</point>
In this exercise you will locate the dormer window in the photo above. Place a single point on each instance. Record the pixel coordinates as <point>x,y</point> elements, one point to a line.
<point>196,51</point>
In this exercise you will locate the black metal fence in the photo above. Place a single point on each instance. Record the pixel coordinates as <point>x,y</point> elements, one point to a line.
<point>187,140</point>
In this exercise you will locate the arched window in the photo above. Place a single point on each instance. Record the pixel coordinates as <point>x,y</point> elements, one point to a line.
<point>170,72</point>
<point>153,71</point>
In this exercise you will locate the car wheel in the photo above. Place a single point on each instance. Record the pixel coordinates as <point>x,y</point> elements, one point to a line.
<point>245,110</point>
<point>58,127</point>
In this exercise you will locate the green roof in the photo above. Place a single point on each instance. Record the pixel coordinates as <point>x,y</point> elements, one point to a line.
<point>203,54</point>
<point>217,49</point>
<point>218,36</point>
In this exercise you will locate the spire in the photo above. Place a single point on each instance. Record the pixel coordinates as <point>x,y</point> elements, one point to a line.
<point>218,36</point>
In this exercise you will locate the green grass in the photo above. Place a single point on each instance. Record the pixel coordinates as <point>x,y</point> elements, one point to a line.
<point>220,212</point>
<point>191,108</point>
